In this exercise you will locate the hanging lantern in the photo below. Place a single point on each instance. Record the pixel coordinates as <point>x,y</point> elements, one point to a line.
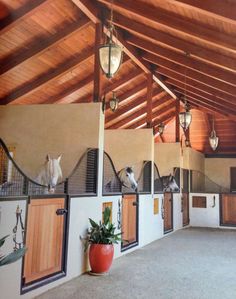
<point>213,139</point>
<point>185,119</point>
<point>114,102</point>
<point>110,54</point>
<point>161,128</point>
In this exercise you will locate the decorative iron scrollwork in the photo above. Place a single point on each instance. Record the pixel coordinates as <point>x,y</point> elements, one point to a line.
<point>119,215</point>
<point>18,230</point>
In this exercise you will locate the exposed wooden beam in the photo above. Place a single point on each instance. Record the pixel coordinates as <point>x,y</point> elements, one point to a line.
<point>182,60</point>
<point>41,45</point>
<point>97,68</point>
<point>177,139</point>
<point>153,35</point>
<point>203,106</point>
<point>149,100</point>
<point>139,113</point>
<point>203,97</point>
<point>24,11</point>
<point>131,93</point>
<point>207,118</point>
<point>218,94</point>
<point>173,22</point>
<point>129,106</point>
<point>141,122</point>
<point>165,119</point>
<point>88,7</point>
<point>222,10</point>
<point>21,94</point>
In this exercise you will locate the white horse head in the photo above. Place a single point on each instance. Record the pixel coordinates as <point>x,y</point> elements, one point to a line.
<point>169,183</point>
<point>50,173</point>
<point>126,176</point>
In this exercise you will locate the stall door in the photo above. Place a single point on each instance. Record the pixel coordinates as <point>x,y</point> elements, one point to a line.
<point>185,208</point>
<point>228,209</point>
<point>129,221</point>
<point>44,239</point>
<point>168,213</point>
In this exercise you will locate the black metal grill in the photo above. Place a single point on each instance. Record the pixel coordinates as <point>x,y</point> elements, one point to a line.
<point>200,183</point>
<point>145,177</point>
<point>83,179</point>
<point>158,186</point>
<point>111,181</point>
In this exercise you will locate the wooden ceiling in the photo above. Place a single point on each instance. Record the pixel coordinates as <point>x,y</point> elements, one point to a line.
<point>173,49</point>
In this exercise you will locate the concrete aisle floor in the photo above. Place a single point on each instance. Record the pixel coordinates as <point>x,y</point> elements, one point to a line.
<point>192,263</point>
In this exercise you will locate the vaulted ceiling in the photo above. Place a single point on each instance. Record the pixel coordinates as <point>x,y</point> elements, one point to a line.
<point>173,49</point>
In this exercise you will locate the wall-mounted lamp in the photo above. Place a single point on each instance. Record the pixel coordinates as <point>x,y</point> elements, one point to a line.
<point>114,102</point>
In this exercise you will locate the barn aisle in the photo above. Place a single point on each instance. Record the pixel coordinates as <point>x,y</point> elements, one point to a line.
<point>192,263</point>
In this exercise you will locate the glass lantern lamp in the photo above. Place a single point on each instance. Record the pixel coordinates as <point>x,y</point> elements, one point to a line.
<point>114,102</point>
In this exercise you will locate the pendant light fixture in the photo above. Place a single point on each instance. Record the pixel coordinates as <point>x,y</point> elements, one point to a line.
<point>161,128</point>
<point>114,102</point>
<point>185,117</point>
<point>110,54</point>
<point>213,139</point>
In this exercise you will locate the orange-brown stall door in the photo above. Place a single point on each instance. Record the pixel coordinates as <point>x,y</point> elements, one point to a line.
<point>168,206</point>
<point>44,238</point>
<point>185,208</point>
<point>129,220</point>
<point>228,209</point>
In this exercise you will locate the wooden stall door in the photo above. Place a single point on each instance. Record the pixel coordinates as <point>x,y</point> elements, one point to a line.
<point>129,220</point>
<point>44,239</point>
<point>228,209</point>
<point>185,208</point>
<point>168,213</point>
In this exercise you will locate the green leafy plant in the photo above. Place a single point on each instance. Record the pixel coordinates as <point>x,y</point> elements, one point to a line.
<point>102,232</point>
<point>13,256</point>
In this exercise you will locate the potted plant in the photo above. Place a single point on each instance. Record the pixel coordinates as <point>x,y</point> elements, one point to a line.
<point>100,239</point>
<point>12,257</point>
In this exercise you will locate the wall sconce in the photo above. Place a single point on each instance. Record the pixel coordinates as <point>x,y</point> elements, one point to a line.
<point>161,128</point>
<point>114,102</point>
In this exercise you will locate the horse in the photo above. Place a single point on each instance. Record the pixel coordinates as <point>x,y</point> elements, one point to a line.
<point>48,176</point>
<point>169,184</point>
<point>126,179</point>
<point>50,173</point>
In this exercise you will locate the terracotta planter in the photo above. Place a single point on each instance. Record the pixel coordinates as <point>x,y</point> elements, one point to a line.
<point>100,257</point>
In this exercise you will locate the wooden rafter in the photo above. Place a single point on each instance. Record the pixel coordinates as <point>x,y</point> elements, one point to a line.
<point>126,108</point>
<point>204,97</point>
<point>173,22</point>
<point>25,11</point>
<point>93,13</point>
<point>24,91</point>
<point>153,35</point>
<point>222,10</point>
<point>218,94</point>
<point>35,48</point>
<point>141,112</point>
<point>181,59</point>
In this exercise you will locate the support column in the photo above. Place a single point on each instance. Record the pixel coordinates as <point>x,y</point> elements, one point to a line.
<point>177,137</point>
<point>149,100</point>
<point>97,69</point>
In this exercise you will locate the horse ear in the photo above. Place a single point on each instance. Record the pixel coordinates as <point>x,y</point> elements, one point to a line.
<point>59,159</point>
<point>48,158</point>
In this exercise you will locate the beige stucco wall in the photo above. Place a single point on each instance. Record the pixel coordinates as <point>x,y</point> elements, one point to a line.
<point>37,130</point>
<point>218,170</point>
<point>193,160</point>
<point>129,147</point>
<point>167,156</point>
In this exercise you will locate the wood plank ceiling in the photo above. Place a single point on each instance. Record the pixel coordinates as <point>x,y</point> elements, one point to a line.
<point>48,55</point>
